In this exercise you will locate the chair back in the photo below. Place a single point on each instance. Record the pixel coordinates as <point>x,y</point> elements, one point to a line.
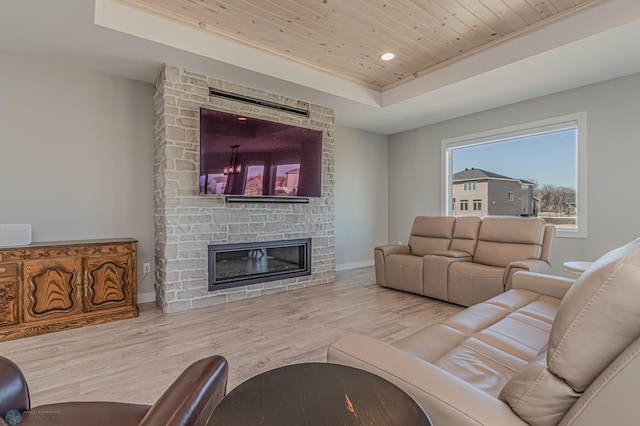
<point>14,393</point>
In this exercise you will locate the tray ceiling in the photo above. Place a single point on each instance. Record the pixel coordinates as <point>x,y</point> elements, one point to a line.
<point>347,37</point>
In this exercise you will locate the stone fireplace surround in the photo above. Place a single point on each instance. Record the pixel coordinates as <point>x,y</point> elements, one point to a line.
<point>186,223</point>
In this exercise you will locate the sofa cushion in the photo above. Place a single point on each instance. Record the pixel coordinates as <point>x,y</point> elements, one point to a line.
<point>469,283</point>
<point>502,240</point>
<point>430,234</point>
<point>486,344</point>
<point>538,396</point>
<point>404,272</point>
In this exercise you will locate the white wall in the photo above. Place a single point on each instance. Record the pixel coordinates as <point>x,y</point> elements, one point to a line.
<point>76,154</point>
<point>361,191</point>
<point>613,155</point>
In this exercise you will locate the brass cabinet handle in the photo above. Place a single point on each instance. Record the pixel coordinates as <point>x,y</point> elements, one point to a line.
<point>78,285</point>
<point>86,282</point>
<point>3,270</point>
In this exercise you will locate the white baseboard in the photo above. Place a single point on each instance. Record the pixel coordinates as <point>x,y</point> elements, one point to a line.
<point>354,265</point>
<point>147,297</point>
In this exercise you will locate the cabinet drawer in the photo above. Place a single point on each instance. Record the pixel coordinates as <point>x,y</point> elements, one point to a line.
<point>8,270</point>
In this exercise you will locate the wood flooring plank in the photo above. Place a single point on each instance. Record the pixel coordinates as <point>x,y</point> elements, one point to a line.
<point>135,360</point>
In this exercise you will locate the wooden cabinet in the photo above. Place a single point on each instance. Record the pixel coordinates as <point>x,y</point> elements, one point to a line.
<point>55,286</point>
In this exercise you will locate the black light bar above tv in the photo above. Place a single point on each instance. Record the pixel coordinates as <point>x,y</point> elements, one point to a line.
<point>264,199</point>
<point>256,101</point>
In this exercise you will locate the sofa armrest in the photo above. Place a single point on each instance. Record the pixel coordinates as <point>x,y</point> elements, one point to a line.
<point>447,399</point>
<point>393,249</point>
<point>528,265</point>
<point>549,285</point>
<point>456,254</point>
<point>380,254</point>
<point>531,265</point>
<point>192,397</point>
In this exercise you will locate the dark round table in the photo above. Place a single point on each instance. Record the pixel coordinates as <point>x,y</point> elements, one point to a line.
<point>318,394</point>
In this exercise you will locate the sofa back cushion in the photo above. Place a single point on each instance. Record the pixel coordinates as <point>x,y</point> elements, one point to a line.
<point>547,242</point>
<point>430,234</point>
<point>596,321</point>
<point>538,396</point>
<point>502,240</point>
<point>598,317</point>
<point>465,234</point>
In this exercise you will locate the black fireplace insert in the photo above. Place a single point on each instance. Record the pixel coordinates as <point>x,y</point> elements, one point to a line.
<point>232,265</point>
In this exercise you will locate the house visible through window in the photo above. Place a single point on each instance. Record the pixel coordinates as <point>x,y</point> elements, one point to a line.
<point>253,183</point>
<point>534,169</point>
<point>213,183</point>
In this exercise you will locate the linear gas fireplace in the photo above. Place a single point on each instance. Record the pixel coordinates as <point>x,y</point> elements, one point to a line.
<point>232,265</point>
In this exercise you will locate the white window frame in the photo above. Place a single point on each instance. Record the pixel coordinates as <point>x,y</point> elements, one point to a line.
<point>576,120</point>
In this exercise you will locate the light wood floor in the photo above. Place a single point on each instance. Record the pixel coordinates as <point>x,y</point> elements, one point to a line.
<point>134,360</point>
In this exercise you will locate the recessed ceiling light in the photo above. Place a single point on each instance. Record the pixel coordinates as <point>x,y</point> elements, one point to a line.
<point>387,56</point>
<point>242,118</point>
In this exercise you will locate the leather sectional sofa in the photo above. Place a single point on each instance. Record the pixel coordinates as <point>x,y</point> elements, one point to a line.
<point>549,351</point>
<point>465,260</point>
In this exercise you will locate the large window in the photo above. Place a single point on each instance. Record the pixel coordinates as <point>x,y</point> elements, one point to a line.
<point>534,169</point>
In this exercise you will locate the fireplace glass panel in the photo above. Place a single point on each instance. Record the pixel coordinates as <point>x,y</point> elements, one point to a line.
<point>241,264</point>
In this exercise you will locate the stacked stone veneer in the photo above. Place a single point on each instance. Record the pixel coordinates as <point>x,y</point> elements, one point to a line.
<point>186,223</point>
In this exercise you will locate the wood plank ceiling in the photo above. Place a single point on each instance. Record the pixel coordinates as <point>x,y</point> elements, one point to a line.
<point>347,37</point>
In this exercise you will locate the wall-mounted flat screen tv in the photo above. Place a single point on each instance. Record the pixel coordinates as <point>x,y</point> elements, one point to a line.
<point>240,155</point>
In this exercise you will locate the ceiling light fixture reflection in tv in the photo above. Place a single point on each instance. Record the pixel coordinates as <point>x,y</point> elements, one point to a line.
<point>240,155</point>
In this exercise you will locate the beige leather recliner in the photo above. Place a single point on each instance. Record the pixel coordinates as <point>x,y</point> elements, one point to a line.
<point>505,245</point>
<point>465,260</point>
<point>547,352</point>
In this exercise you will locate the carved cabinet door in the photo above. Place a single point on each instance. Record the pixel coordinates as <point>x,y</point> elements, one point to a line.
<point>8,294</point>
<point>51,288</point>
<point>108,282</point>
